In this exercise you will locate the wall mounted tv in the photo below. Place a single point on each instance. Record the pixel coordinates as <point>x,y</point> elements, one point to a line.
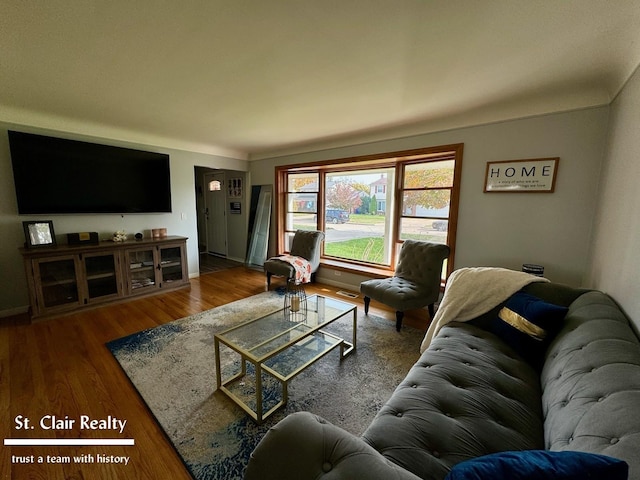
<point>56,175</point>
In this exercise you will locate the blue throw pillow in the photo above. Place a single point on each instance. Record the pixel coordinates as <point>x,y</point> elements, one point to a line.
<point>528,324</point>
<point>540,464</point>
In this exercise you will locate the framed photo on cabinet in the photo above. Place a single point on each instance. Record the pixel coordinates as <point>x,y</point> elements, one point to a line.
<point>39,233</point>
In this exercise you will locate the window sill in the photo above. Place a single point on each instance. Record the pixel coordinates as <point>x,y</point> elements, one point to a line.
<point>369,271</point>
<point>365,270</point>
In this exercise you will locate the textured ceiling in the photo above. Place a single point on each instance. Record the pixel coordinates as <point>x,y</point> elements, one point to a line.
<point>250,79</point>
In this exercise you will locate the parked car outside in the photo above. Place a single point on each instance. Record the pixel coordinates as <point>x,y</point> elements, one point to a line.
<point>334,215</point>
<point>440,225</point>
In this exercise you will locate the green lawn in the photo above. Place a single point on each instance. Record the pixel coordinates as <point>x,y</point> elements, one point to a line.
<point>364,249</point>
<point>370,249</point>
<point>366,219</point>
<point>425,237</point>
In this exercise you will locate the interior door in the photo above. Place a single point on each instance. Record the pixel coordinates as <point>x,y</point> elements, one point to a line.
<point>215,214</point>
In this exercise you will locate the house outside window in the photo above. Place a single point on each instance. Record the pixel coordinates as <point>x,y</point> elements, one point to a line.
<point>367,206</point>
<point>360,235</point>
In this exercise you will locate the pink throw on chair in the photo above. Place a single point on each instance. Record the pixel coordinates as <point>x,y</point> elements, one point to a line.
<point>302,267</point>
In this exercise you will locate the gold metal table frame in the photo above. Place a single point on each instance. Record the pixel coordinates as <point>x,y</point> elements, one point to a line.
<point>281,348</point>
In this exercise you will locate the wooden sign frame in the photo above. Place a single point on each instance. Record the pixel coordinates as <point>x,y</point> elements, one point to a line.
<point>536,175</point>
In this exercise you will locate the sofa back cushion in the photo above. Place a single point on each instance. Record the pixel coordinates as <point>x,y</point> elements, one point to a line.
<point>591,383</point>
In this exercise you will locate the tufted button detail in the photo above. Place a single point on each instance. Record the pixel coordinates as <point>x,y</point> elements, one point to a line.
<point>326,467</point>
<point>414,386</point>
<point>399,414</point>
<point>570,440</point>
<point>448,414</point>
<point>614,440</point>
<point>436,454</point>
<point>601,399</point>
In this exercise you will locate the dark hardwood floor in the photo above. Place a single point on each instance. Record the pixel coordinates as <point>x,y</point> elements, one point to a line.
<point>61,367</point>
<point>213,263</point>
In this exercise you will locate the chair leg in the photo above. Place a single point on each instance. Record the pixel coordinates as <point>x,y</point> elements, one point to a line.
<point>268,280</point>
<point>431,308</point>
<point>399,316</point>
<point>367,300</point>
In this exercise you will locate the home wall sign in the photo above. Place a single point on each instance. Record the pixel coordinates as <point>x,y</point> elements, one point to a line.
<point>536,175</point>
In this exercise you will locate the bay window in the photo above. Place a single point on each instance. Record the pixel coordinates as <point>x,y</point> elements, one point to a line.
<point>367,206</point>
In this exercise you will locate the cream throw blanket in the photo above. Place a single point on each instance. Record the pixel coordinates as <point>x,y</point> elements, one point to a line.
<point>471,292</point>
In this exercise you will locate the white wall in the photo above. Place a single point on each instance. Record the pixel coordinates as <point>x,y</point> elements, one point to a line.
<point>615,259</point>
<point>182,220</point>
<point>507,229</point>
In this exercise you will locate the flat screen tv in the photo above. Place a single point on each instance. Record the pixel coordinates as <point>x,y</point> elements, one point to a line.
<point>56,175</point>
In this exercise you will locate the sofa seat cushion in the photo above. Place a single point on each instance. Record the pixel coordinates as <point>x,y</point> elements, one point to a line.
<point>590,379</point>
<point>468,395</point>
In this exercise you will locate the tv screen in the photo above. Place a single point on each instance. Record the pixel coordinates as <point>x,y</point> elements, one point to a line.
<point>55,175</point>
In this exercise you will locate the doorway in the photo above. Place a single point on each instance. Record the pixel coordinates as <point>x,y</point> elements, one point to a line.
<point>214,214</point>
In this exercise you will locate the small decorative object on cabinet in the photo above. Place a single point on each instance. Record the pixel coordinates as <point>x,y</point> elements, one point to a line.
<point>66,278</point>
<point>119,236</point>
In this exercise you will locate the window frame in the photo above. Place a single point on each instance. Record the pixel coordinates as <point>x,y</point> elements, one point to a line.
<point>396,160</point>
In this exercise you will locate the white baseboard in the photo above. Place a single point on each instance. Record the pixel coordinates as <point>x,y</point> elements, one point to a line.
<point>333,283</point>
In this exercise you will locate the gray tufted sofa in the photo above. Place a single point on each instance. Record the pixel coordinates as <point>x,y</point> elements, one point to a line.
<point>470,394</point>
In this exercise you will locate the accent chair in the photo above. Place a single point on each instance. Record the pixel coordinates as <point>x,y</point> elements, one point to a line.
<point>305,244</point>
<point>416,282</point>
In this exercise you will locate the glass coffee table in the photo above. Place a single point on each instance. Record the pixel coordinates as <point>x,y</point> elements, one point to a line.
<point>279,347</point>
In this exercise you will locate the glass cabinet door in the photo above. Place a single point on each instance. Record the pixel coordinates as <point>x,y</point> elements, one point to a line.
<point>101,274</point>
<point>171,264</point>
<point>58,281</point>
<point>142,270</point>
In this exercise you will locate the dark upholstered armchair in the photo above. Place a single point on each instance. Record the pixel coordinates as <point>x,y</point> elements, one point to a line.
<point>416,282</point>
<point>305,244</point>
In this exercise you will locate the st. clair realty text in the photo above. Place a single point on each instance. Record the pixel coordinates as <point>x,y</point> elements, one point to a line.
<point>85,422</point>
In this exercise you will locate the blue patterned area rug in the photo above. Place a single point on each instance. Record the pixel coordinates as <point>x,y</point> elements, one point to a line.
<point>173,369</point>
